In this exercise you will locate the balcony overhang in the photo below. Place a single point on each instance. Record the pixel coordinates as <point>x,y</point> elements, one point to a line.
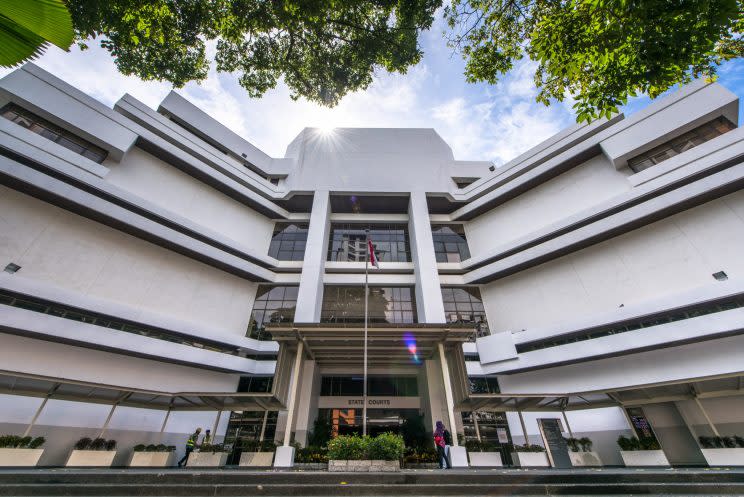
<point>331,344</point>
<point>28,385</point>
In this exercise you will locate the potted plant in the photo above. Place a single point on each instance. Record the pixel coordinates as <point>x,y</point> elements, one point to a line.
<point>529,456</point>
<point>152,456</point>
<point>420,458</point>
<point>483,454</point>
<point>97,452</point>
<point>353,453</point>
<point>723,451</point>
<point>580,452</point>
<point>255,453</point>
<point>641,452</point>
<point>20,451</point>
<point>311,457</point>
<point>209,455</point>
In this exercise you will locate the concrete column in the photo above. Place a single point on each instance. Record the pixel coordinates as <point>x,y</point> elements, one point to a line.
<point>310,293</point>
<point>284,456</point>
<point>429,304</point>
<point>307,401</point>
<point>216,425</point>
<point>458,455</point>
<point>263,426</point>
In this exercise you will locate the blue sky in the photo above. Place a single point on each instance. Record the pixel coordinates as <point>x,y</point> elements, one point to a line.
<point>480,122</point>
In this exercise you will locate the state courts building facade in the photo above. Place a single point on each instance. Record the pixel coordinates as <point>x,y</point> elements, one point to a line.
<point>160,272</point>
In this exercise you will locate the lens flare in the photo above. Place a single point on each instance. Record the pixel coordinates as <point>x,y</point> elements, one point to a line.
<point>410,343</point>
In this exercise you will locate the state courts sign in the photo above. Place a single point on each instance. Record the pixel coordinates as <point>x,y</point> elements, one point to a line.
<point>372,402</point>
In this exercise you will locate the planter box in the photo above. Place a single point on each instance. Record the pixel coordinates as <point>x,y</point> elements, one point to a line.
<point>585,459</point>
<point>485,459</point>
<point>91,458</point>
<point>20,457</point>
<point>260,459</point>
<point>722,457</point>
<point>644,458</point>
<point>152,459</point>
<point>531,459</point>
<point>365,466</point>
<point>207,459</point>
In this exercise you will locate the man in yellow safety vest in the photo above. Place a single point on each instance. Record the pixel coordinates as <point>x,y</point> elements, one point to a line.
<point>190,445</point>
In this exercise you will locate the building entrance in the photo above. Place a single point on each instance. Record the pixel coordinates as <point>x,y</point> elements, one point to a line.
<point>348,421</point>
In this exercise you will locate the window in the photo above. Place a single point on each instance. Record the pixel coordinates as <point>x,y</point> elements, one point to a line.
<point>484,384</point>
<point>377,386</point>
<point>681,144</point>
<point>348,242</point>
<point>273,304</point>
<point>345,304</point>
<point>450,244</point>
<point>255,384</point>
<point>464,305</point>
<point>289,241</point>
<point>42,127</point>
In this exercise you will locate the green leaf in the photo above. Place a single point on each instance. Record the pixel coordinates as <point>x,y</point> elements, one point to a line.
<point>27,26</point>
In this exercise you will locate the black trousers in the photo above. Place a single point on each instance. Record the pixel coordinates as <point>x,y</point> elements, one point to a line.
<point>443,462</point>
<point>185,458</point>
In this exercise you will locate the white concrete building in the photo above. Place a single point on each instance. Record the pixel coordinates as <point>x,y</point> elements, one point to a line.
<point>161,272</point>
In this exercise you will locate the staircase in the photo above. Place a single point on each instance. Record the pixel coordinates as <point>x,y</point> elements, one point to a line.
<point>466,482</point>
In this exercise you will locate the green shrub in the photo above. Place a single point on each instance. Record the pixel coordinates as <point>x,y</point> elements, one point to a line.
<point>212,448</point>
<point>529,448</point>
<point>633,443</point>
<point>349,447</point>
<point>153,448</point>
<point>311,455</point>
<point>586,444</point>
<point>480,446</point>
<point>36,443</point>
<point>573,444</point>
<point>256,446</point>
<point>18,442</point>
<point>387,447</point>
<point>83,444</point>
<point>414,455</point>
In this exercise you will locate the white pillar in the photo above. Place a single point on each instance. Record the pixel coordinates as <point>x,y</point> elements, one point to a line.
<point>284,456</point>
<point>458,455</point>
<point>108,420</point>
<point>568,426</point>
<point>310,293</point>
<point>524,428</point>
<point>36,416</point>
<point>475,424</point>
<point>165,422</point>
<point>707,418</point>
<point>629,421</point>
<point>429,304</point>
<point>216,425</point>
<point>263,426</point>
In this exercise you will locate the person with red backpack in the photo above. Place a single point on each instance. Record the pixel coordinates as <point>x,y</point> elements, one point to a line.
<point>440,441</point>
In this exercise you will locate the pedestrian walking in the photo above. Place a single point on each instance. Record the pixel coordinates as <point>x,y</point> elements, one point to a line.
<point>190,445</point>
<point>440,443</point>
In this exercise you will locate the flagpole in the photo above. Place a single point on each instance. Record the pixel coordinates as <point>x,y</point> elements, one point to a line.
<point>366,298</point>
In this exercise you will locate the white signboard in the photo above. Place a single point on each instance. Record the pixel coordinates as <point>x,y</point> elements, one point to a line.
<point>503,437</point>
<point>372,402</point>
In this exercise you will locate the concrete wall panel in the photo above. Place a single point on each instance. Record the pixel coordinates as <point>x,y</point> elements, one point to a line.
<point>71,252</point>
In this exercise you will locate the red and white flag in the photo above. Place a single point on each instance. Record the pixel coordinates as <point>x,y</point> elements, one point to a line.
<point>372,256</point>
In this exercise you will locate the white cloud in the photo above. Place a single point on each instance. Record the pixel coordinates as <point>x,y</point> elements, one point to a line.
<point>478,121</point>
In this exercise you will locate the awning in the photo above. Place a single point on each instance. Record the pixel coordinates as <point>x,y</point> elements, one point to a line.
<point>700,388</point>
<point>14,383</point>
<point>331,344</point>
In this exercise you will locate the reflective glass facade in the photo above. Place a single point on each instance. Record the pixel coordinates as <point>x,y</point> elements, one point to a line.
<point>345,304</point>
<point>348,242</point>
<point>273,304</point>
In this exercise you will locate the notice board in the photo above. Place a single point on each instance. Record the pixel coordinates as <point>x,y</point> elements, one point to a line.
<point>555,444</point>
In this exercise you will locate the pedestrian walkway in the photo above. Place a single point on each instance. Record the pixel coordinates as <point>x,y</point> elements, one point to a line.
<point>457,482</point>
